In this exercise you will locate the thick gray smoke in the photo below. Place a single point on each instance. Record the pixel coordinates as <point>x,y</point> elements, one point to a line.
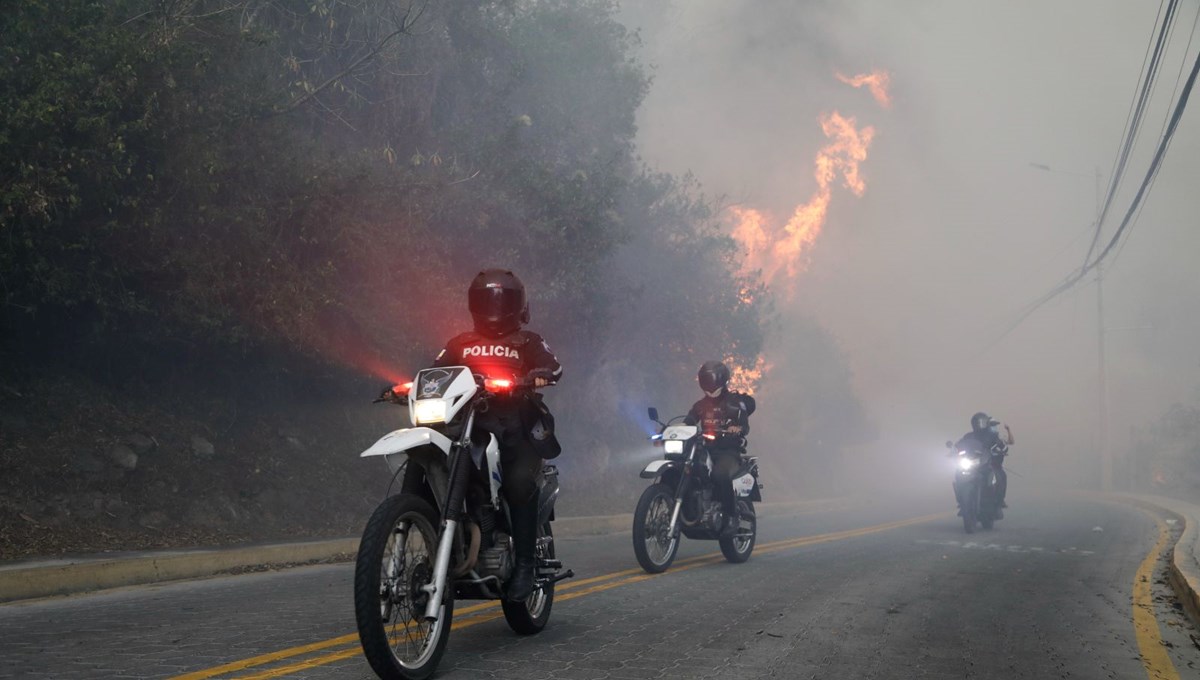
<point>958,229</point>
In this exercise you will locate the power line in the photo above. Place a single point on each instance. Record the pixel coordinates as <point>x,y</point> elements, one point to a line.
<point>1166,121</point>
<point>1135,117</point>
<point>1143,190</point>
<point>1182,63</point>
<point>1154,165</point>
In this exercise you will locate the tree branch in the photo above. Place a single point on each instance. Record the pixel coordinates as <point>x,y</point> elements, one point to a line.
<point>406,22</point>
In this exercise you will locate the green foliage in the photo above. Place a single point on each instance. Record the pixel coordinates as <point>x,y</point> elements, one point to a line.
<point>324,176</point>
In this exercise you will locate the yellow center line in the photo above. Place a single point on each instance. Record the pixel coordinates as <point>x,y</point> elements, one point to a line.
<point>349,652</point>
<point>353,637</point>
<point>1145,623</point>
<point>598,584</point>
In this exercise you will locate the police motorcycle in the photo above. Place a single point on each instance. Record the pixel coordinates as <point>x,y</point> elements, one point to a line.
<point>682,501</point>
<point>975,484</point>
<point>446,536</point>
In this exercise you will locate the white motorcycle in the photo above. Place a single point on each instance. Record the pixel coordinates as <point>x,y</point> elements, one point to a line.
<point>446,535</point>
<point>681,500</point>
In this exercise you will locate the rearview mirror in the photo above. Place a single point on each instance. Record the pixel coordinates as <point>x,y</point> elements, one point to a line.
<point>949,445</point>
<point>653,413</point>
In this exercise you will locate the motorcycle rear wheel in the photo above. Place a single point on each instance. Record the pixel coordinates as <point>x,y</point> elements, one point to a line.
<point>531,616</point>
<point>395,559</point>
<point>654,548</point>
<point>737,548</point>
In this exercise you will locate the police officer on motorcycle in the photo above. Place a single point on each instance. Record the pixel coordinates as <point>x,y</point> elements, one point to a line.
<point>498,346</point>
<point>724,415</point>
<point>985,432</point>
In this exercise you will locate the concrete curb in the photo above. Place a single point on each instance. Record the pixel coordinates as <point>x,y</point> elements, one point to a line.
<point>22,581</point>
<point>1184,568</point>
<point>29,580</point>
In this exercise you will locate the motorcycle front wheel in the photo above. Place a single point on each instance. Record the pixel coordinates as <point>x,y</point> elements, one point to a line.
<point>395,560</point>
<point>531,616</point>
<point>970,507</point>
<point>653,545</point>
<point>737,548</point>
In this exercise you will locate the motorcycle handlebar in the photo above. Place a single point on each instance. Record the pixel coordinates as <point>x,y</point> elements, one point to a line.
<point>398,394</point>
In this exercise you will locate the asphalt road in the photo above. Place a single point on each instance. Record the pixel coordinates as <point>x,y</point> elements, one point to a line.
<point>889,590</point>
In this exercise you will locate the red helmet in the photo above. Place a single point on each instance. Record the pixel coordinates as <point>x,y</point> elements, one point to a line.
<point>497,302</point>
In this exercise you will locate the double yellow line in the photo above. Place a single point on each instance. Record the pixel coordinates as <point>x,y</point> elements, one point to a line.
<point>489,611</point>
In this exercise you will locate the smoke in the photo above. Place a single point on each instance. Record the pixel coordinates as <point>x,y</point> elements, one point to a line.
<point>781,252</point>
<point>957,231</point>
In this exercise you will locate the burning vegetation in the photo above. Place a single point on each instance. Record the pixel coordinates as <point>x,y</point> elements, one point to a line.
<point>779,250</point>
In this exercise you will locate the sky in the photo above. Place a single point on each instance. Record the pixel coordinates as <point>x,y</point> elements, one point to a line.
<point>956,230</point>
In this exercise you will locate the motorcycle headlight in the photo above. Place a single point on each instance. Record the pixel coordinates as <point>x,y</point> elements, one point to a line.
<point>429,411</point>
<point>965,463</point>
<point>673,446</point>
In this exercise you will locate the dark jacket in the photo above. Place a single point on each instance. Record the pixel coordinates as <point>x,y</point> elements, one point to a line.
<point>715,414</point>
<point>986,440</point>
<point>524,416</point>
<point>513,356</point>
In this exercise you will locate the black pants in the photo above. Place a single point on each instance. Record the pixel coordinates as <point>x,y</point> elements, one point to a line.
<point>520,463</point>
<point>1001,480</point>
<point>725,463</point>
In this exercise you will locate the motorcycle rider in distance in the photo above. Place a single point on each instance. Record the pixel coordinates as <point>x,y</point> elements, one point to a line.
<point>724,419</point>
<point>523,427</point>
<point>985,430</point>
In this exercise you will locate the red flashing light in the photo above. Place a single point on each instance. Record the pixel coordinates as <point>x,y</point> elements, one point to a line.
<point>710,436</point>
<point>402,389</point>
<point>497,384</point>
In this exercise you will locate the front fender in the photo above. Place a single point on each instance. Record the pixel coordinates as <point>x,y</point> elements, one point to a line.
<point>392,444</point>
<point>658,467</point>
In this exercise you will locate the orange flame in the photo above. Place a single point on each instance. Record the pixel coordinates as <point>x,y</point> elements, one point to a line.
<point>876,81</point>
<point>773,250</point>
<point>746,379</point>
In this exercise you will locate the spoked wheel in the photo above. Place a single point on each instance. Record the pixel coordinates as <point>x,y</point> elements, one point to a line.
<point>532,615</point>
<point>737,548</point>
<point>653,544</point>
<point>395,562</point>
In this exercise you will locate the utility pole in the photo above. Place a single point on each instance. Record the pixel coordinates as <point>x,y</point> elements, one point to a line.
<point>1106,458</point>
<point>1106,463</point>
<point>1105,451</point>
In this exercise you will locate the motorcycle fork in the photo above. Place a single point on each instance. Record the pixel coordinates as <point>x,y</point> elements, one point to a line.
<point>680,491</point>
<point>460,471</point>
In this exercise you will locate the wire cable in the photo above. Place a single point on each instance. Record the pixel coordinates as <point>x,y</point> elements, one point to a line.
<point>1134,121</point>
<point>1078,275</point>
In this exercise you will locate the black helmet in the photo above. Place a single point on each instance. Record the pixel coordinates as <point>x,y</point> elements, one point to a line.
<point>497,302</point>
<point>713,377</point>
<point>982,421</point>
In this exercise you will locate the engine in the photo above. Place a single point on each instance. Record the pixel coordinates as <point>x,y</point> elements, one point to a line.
<point>496,561</point>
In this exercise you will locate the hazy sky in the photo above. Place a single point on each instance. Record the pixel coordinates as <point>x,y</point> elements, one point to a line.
<point>956,230</point>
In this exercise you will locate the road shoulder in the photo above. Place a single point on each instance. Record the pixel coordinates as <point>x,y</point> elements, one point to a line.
<point>28,580</point>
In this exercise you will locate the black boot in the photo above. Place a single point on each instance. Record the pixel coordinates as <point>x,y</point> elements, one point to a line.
<point>524,535</point>
<point>732,522</point>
